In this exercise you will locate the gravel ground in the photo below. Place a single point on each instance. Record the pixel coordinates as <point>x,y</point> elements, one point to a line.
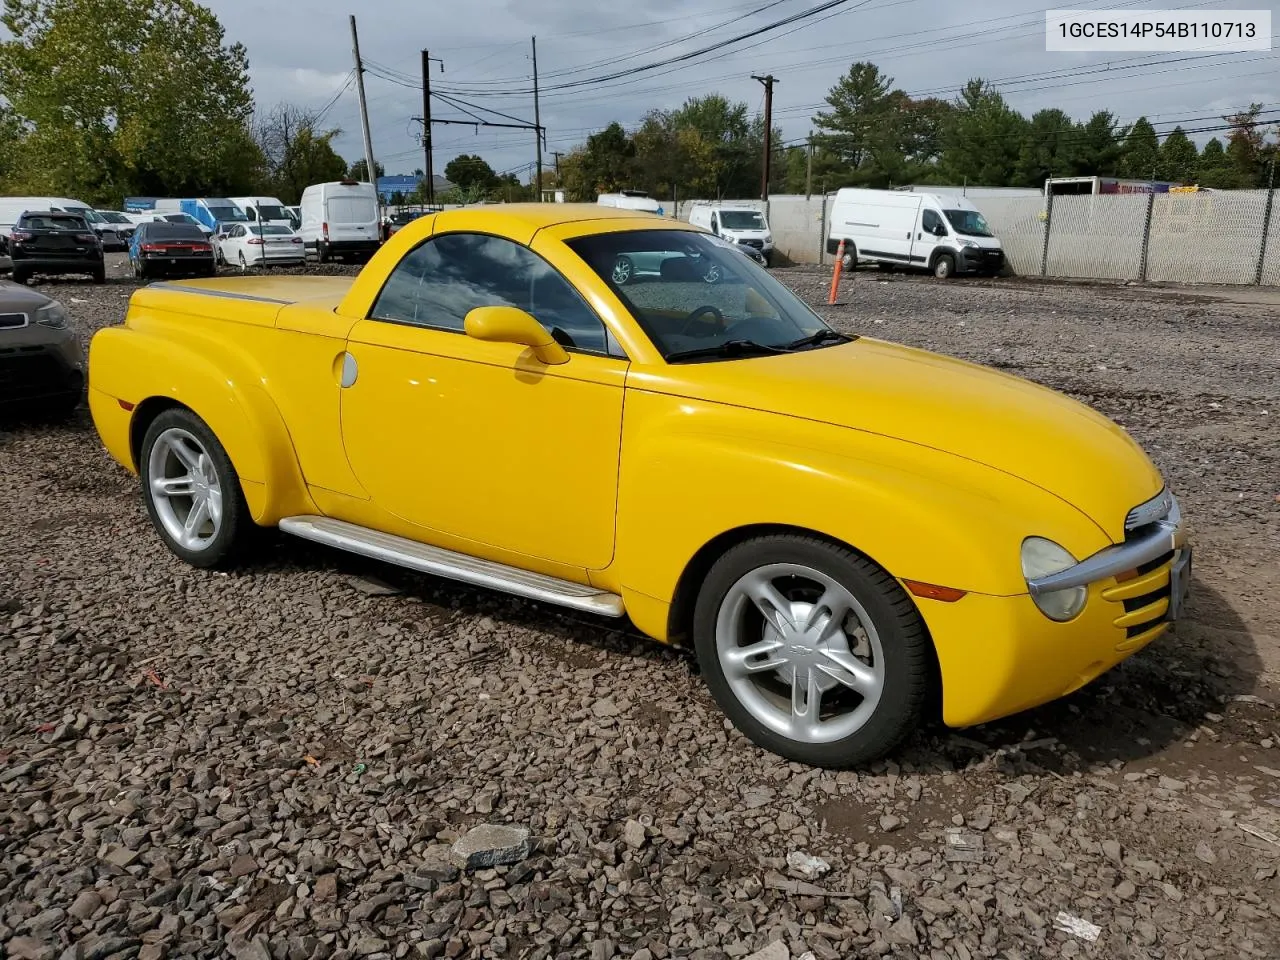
<point>274,762</point>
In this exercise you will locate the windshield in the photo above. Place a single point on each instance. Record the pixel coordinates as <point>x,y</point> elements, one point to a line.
<point>227,213</point>
<point>112,217</point>
<point>968,222</point>
<point>90,216</point>
<point>272,213</point>
<point>689,293</point>
<point>741,220</point>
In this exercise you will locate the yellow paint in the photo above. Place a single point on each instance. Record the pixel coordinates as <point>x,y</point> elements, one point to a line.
<point>617,471</point>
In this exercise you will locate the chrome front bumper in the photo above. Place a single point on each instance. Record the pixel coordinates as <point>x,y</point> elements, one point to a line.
<point>1160,535</point>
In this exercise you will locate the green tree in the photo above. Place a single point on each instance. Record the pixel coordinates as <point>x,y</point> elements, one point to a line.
<point>1140,156</point>
<point>1050,148</point>
<point>1098,151</point>
<point>359,170</point>
<point>984,138</point>
<point>1246,142</point>
<point>471,173</point>
<point>294,154</point>
<point>605,164</point>
<point>877,134</point>
<point>1179,158</point>
<point>709,147</point>
<point>123,96</point>
<point>1215,169</point>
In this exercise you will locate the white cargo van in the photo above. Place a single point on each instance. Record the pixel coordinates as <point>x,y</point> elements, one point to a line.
<point>263,209</point>
<point>630,200</point>
<point>737,224</point>
<point>340,219</point>
<point>939,232</point>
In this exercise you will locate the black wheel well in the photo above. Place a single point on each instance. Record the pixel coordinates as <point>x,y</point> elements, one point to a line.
<point>938,255</point>
<point>143,416</point>
<point>680,616</point>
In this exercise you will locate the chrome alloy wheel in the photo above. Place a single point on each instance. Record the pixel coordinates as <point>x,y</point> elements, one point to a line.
<point>185,490</point>
<point>800,653</point>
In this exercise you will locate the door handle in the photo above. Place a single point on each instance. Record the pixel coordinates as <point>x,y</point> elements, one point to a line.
<point>347,369</point>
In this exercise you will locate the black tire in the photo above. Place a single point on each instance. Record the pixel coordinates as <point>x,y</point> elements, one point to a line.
<point>944,267</point>
<point>322,253</point>
<point>850,257</point>
<point>62,408</point>
<point>907,651</point>
<point>236,527</point>
<point>100,274</point>
<point>21,276</point>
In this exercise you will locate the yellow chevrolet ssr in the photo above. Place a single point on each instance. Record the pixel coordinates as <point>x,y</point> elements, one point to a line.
<point>620,414</point>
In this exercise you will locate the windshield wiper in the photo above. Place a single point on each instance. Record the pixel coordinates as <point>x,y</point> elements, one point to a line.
<point>730,348</point>
<point>822,336</point>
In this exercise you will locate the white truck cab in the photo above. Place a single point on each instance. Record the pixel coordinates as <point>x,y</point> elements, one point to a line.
<point>735,223</point>
<point>939,232</point>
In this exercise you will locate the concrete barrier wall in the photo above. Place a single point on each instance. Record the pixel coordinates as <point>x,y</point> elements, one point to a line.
<point>1211,237</point>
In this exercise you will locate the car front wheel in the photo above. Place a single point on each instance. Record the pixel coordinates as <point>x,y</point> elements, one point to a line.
<point>192,491</point>
<point>813,651</point>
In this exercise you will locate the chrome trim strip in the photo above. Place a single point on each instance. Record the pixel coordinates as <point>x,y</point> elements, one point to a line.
<point>163,284</point>
<point>455,566</point>
<point>1157,508</point>
<point>1168,535</point>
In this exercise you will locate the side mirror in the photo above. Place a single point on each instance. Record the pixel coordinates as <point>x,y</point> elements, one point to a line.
<point>940,230</point>
<point>513,325</point>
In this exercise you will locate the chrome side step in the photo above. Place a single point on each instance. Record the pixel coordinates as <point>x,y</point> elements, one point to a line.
<point>454,566</point>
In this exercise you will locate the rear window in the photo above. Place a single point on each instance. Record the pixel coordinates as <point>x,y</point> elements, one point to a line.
<point>173,231</point>
<point>49,221</point>
<point>272,213</point>
<point>274,230</point>
<point>352,210</point>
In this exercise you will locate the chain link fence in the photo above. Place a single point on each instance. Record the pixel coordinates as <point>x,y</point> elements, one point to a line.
<point>1204,237</point>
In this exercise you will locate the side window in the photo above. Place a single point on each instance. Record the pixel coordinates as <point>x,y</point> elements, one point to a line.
<point>438,283</point>
<point>931,222</point>
<point>251,213</point>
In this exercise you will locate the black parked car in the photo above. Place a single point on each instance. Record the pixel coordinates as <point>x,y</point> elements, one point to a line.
<point>160,248</point>
<point>41,363</point>
<point>52,242</point>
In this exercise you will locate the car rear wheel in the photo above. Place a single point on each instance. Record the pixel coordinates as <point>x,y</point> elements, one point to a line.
<point>192,491</point>
<point>623,271</point>
<point>21,276</point>
<point>100,275</point>
<point>813,651</point>
<point>244,266</point>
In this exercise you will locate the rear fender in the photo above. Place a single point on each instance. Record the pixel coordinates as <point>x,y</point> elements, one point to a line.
<point>223,387</point>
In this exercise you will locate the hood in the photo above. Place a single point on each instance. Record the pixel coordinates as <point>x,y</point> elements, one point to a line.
<point>983,415</point>
<point>986,243</point>
<point>15,298</point>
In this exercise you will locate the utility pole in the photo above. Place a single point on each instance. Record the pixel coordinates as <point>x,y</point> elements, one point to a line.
<point>364,111</point>
<point>808,173</point>
<point>557,154</point>
<point>426,127</point>
<point>768,82</point>
<point>537,121</point>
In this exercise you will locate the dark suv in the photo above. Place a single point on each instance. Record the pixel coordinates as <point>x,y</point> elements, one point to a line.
<point>53,242</point>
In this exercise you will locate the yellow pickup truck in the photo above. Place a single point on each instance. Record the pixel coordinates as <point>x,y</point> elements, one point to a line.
<point>845,531</point>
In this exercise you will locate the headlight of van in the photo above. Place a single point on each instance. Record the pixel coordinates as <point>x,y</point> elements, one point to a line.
<point>768,238</point>
<point>52,315</point>
<point>967,243</point>
<point>1040,558</point>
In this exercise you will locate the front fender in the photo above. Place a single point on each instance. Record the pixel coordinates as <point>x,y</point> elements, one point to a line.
<point>222,384</point>
<point>692,471</point>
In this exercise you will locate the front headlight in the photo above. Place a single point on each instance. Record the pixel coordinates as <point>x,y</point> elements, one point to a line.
<point>1040,558</point>
<point>967,243</point>
<point>768,238</point>
<point>52,315</point>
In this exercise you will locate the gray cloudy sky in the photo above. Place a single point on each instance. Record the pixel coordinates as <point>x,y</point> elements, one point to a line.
<point>927,46</point>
